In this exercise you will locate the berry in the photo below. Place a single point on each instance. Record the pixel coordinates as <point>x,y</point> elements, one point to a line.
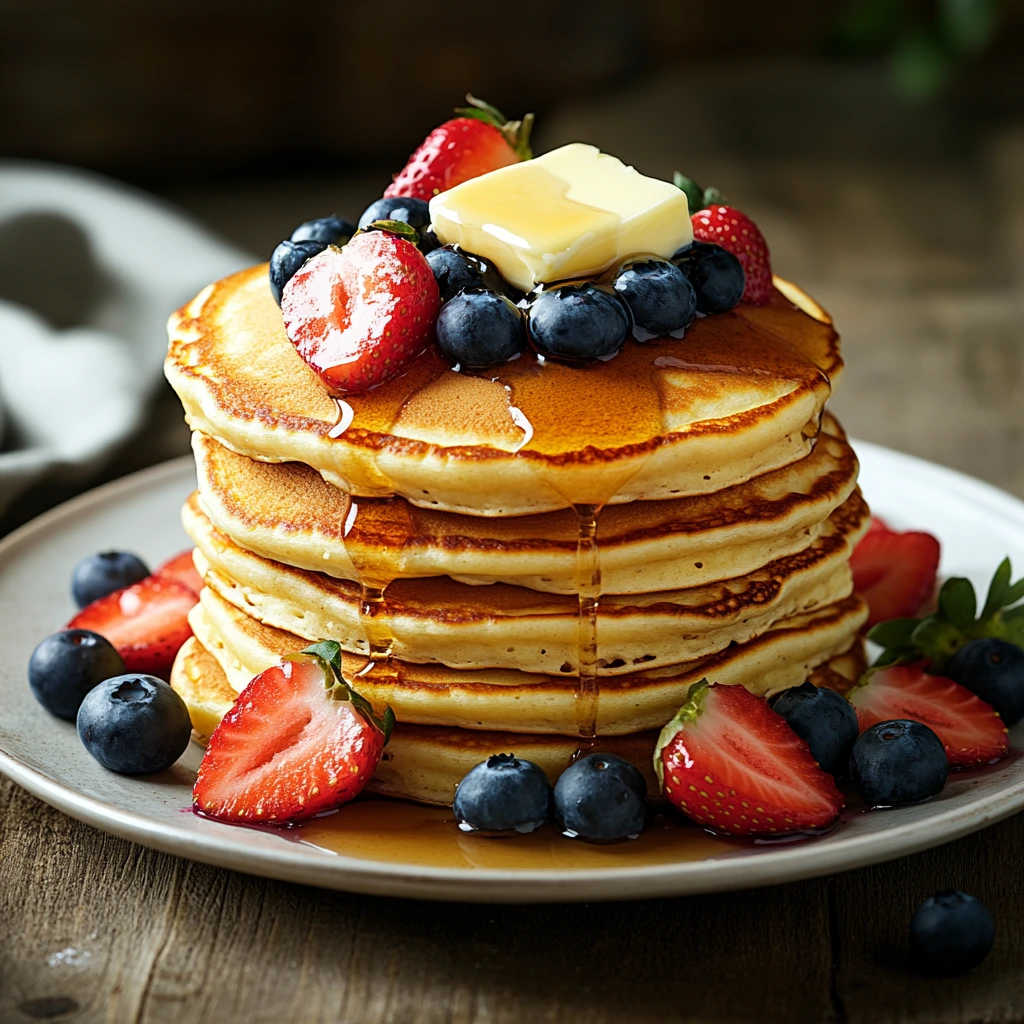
<point>298,741</point>
<point>454,270</point>
<point>67,665</point>
<point>147,623</point>
<point>729,762</point>
<point>735,231</point>
<point>358,314</point>
<point>333,230</point>
<point>463,148</point>
<point>413,212</point>
<point>181,569</point>
<point>576,322</point>
<point>601,798</point>
<point>286,260</point>
<point>823,719</point>
<point>894,572</point>
<point>98,575</point>
<point>971,732</point>
<point>503,794</point>
<point>950,933</point>
<point>134,724</point>
<point>994,670</point>
<point>896,763</point>
<point>479,327</point>
<point>715,274</point>
<point>660,298</point>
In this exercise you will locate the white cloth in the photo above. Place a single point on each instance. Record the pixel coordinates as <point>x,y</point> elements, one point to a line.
<point>70,395</point>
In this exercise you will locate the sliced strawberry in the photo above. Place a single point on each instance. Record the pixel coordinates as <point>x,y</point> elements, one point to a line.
<point>734,230</point>
<point>894,572</point>
<point>298,741</point>
<point>879,525</point>
<point>181,569</point>
<point>970,729</point>
<point>729,762</point>
<point>147,622</point>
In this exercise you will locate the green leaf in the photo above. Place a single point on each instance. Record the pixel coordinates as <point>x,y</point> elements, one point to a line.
<point>957,602</point>
<point>936,639</point>
<point>329,651</point>
<point>395,227</point>
<point>998,590</point>
<point>895,633</point>
<point>694,193</point>
<point>1014,593</point>
<point>482,111</point>
<point>712,197</point>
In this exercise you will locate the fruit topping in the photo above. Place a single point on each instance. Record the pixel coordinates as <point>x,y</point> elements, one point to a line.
<point>501,795</point>
<point>454,270</point>
<point>728,227</point>
<point>297,742</point>
<point>894,572</point>
<point>971,732</point>
<point>898,762</point>
<point>479,327</point>
<point>601,798</point>
<point>134,724</point>
<point>729,762</point>
<point>576,322</point>
<point>147,622</point>
<point>286,260</point>
<point>824,720</point>
<point>358,314</point>
<point>101,574</point>
<point>67,665</point>
<point>181,569</point>
<point>994,670</point>
<point>481,140</point>
<point>413,212</point>
<point>715,274</point>
<point>333,230</point>
<point>660,298</point>
<point>950,933</point>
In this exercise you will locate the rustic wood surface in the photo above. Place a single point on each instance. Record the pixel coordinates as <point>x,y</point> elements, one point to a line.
<point>910,228</point>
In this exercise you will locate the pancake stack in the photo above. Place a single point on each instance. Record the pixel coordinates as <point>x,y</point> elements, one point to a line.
<point>539,558</point>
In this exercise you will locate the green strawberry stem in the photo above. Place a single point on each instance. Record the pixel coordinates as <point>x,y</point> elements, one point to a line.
<point>690,711</point>
<point>515,133</point>
<point>697,198</point>
<point>393,227</point>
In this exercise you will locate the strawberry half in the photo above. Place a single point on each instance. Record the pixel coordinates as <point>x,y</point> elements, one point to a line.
<point>147,622</point>
<point>482,140</point>
<point>181,569</point>
<point>298,741</point>
<point>358,314</point>
<point>729,762</point>
<point>970,729</point>
<point>894,572</point>
<point>733,230</point>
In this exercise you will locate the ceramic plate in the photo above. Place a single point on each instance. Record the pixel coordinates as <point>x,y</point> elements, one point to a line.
<point>977,524</point>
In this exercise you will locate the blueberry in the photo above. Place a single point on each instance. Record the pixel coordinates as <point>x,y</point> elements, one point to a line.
<point>503,794</point>
<point>286,260</point>
<point>333,230</point>
<point>98,575</point>
<point>479,327</point>
<point>716,275</point>
<point>994,670</point>
<point>601,798</point>
<point>951,933</point>
<point>454,270</point>
<point>414,212</point>
<point>66,666</point>
<point>898,762</point>
<point>134,724</point>
<point>660,298</point>
<point>823,719</point>
<point>575,322</point>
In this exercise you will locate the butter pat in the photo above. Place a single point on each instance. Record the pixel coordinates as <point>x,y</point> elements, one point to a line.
<point>570,213</point>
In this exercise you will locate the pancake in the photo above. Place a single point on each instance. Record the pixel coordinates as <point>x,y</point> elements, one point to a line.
<point>499,626</point>
<point>507,700</point>
<point>742,394</point>
<point>425,763</point>
<point>287,513</point>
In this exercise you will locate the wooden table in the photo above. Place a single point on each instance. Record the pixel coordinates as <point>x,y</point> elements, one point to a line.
<point>910,228</point>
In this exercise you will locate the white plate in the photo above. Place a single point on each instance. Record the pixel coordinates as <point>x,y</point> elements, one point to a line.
<point>977,524</point>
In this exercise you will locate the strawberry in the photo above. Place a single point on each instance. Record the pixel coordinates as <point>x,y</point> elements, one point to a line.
<point>147,622</point>
<point>358,314</point>
<point>970,729</point>
<point>298,741</point>
<point>481,140</point>
<point>729,762</point>
<point>728,227</point>
<point>181,569</point>
<point>894,572</point>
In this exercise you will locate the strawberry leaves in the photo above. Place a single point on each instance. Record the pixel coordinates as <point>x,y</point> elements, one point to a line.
<point>697,198</point>
<point>515,133</point>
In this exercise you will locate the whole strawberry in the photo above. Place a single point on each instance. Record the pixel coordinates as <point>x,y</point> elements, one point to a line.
<point>481,140</point>
<point>357,314</point>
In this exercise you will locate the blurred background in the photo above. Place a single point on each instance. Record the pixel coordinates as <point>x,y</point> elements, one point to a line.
<point>879,145</point>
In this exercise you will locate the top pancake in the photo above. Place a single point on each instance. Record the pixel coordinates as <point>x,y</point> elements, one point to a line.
<point>740,395</point>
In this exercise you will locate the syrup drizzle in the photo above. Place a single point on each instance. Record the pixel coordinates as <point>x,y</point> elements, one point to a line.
<point>588,588</point>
